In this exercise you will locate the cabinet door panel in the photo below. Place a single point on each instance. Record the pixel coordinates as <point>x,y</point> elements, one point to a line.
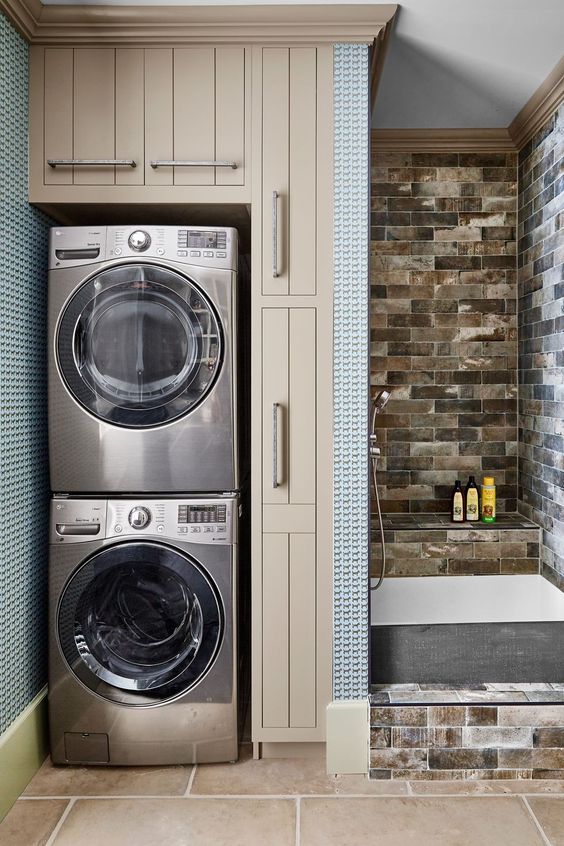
<point>94,113</point>
<point>194,113</point>
<point>303,170</point>
<point>302,405</point>
<point>230,113</point>
<point>130,115</point>
<point>275,635</point>
<point>158,114</point>
<point>302,615</point>
<point>275,157</point>
<point>58,113</point>
<point>275,324</point>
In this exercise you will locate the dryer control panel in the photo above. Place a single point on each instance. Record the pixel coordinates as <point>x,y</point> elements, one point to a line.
<point>210,520</point>
<point>202,246</point>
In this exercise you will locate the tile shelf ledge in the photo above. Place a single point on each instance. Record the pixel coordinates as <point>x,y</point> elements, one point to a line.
<point>400,522</point>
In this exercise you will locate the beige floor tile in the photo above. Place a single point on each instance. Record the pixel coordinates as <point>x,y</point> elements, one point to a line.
<point>30,823</point>
<point>108,781</point>
<point>457,788</point>
<point>550,814</point>
<point>179,822</point>
<point>460,821</point>
<point>282,776</point>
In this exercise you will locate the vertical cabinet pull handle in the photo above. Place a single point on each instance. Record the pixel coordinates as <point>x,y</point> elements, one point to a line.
<point>276,441</point>
<point>275,234</point>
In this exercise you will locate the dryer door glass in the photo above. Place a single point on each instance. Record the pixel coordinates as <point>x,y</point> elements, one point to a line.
<point>140,623</point>
<point>139,345</point>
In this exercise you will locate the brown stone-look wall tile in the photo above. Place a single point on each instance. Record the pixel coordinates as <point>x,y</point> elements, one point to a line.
<point>444,293</point>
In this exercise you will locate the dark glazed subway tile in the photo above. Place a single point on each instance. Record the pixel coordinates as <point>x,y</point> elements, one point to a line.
<point>481,715</point>
<point>552,738</point>
<point>380,738</point>
<point>396,716</point>
<point>435,159</point>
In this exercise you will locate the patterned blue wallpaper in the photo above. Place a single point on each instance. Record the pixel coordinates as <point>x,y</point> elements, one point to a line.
<point>23,424</point>
<point>351,372</point>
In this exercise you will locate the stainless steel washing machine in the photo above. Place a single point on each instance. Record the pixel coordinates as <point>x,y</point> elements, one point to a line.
<point>142,630</point>
<point>142,359</point>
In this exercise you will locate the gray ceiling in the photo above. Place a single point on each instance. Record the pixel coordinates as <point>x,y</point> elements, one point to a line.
<point>454,63</point>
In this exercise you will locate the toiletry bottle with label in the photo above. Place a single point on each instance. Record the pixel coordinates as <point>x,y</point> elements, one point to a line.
<point>472,500</point>
<point>457,509</point>
<point>488,500</point>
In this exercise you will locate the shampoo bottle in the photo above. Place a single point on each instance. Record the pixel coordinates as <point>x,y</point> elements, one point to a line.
<point>457,509</point>
<point>488,500</point>
<point>472,500</point>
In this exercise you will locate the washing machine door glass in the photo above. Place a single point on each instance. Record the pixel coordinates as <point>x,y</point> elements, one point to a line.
<point>139,345</point>
<point>140,623</point>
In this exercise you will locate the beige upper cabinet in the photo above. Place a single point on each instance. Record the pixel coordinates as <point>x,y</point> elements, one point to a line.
<point>289,169</point>
<point>120,116</point>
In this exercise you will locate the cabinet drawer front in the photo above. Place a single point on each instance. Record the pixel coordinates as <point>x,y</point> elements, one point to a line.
<point>289,631</point>
<point>289,405</point>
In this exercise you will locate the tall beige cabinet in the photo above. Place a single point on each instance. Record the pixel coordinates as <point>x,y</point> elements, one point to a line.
<point>292,254</point>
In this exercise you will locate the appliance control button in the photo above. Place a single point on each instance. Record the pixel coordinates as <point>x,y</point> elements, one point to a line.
<point>222,528</point>
<point>195,253</point>
<point>209,529</point>
<point>183,530</point>
<point>195,529</point>
<point>139,517</point>
<point>160,251</point>
<point>118,528</point>
<point>221,255</point>
<point>139,240</point>
<point>160,528</point>
<point>117,251</point>
<point>208,253</point>
<point>182,252</point>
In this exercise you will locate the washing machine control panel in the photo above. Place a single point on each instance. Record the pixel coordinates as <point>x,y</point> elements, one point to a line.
<point>209,520</point>
<point>202,246</point>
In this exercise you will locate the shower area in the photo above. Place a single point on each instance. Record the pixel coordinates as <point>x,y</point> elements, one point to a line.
<point>467,364</point>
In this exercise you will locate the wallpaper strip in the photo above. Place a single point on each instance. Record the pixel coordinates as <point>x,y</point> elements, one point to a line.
<point>23,423</point>
<point>351,371</point>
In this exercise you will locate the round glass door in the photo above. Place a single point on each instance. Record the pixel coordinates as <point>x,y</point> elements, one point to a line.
<point>139,623</point>
<point>139,345</point>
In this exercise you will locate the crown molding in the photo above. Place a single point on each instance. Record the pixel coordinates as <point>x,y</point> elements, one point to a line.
<point>379,51</point>
<point>23,14</point>
<point>138,25</point>
<point>539,107</point>
<point>443,140</point>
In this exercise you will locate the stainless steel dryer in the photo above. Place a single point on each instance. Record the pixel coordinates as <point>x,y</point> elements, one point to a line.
<point>142,359</point>
<point>142,648</point>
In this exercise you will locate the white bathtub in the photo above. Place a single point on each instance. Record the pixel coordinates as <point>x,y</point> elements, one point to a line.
<point>425,600</point>
<point>464,630</point>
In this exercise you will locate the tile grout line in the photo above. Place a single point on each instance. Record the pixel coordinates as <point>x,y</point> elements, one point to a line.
<point>188,790</point>
<point>410,793</point>
<point>61,821</point>
<point>298,820</point>
<point>409,788</point>
<point>535,821</point>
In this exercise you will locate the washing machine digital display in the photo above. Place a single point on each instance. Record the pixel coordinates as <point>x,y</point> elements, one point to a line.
<point>205,240</point>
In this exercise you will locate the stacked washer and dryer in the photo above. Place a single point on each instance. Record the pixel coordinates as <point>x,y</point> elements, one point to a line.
<point>144,460</point>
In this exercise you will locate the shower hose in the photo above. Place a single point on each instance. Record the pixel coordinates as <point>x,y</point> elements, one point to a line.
<point>380,525</point>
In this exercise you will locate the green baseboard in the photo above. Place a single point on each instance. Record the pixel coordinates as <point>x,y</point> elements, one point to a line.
<point>23,748</point>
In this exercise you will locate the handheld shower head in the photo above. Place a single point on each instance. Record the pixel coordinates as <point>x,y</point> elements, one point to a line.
<point>378,406</point>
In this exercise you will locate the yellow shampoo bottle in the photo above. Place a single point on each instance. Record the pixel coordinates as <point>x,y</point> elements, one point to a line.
<point>488,500</point>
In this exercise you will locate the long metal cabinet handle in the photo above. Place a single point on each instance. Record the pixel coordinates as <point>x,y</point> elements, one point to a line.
<point>80,162</point>
<point>275,443</point>
<point>275,234</point>
<point>191,163</point>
